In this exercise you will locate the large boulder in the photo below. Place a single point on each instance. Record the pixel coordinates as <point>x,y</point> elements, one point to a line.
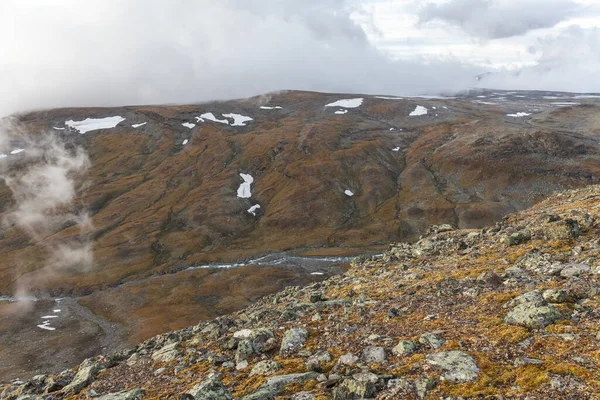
<point>85,375</point>
<point>360,386</point>
<point>134,394</point>
<point>211,388</point>
<point>531,310</point>
<point>293,340</point>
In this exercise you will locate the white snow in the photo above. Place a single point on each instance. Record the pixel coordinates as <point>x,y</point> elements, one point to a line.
<point>252,210</point>
<point>482,97</point>
<point>271,107</point>
<point>46,327</point>
<point>185,142</point>
<point>419,110</point>
<point>348,192</point>
<point>56,310</point>
<point>210,116</point>
<point>49,316</point>
<point>244,189</point>
<point>341,112</point>
<point>58,129</point>
<point>518,115</point>
<point>388,98</point>
<point>138,125</point>
<point>346,103</point>
<point>551,97</point>
<point>188,125</point>
<point>238,119</point>
<point>317,273</point>
<point>92,124</point>
<point>3,156</point>
<point>391,129</point>
<point>434,107</point>
<point>396,149</point>
<point>587,96</point>
<point>17,151</point>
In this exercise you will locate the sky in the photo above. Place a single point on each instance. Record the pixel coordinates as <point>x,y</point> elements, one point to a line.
<point>58,53</point>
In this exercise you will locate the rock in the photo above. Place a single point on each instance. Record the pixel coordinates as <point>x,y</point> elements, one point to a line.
<point>167,353</point>
<point>518,238</point>
<point>353,388</point>
<point>261,339</point>
<point>458,366</point>
<point>404,348</point>
<point>574,270</point>
<point>373,355</point>
<point>134,394</point>
<point>265,368</point>
<point>348,359</point>
<point>62,380</point>
<point>244,351</point>
<point>211,388</point>
<point>423,386</point>
<point>242,365</point>
<point>276,384</point>
<point>315,297</point>
<point>533,315</point>
<point>303,396</point>
<point>293,340</point>
<point>313,363</point>
<point>555,295</point>
<point>35,385</point>
<point>85,375</point>
<point>520,361</point>
<point>432,340</point>
<point>539,263</point>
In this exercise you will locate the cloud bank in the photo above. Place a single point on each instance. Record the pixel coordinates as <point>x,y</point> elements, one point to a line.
<point>493,19</point>
<point>116,52</point>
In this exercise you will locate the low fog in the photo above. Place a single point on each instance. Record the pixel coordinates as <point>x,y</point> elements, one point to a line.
<point>115,52</point>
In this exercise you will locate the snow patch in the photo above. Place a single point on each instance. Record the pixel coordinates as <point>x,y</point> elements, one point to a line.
<point>17,151</point>
<point>341,112</point>
<point>57,310</point>
<point>57,128</point>
<point>388,98</point>
<point>252,210</point>
<point>346,103</point>
<point>518,115</point>
<point>348,193</point>
<point>238,119</point>
<point>587,96</point>
<point>138,125</point>
<point>184,142</point>
<point>3,155</point>
<point>46,327</point>
<point>244,189</point>
<point>396,149</point>
<point>93,124</point>
<point>210,116</point>
<point>188,125</point>
<point>419,110</point>
<point>317,273</point>
<point>49,316</point>
<point>271,107</point>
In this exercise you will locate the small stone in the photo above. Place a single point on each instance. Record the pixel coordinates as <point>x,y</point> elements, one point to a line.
<point>134,394</point>
<point>265,368</point>
<point>244,351</point>
<point>458,366</point>
<point>531,315</point>
<point>313,363</point>
<point>211,388</point>
<point>293,340</point>
<point>404,348</point>
<point>423,386</point>
<point>352,389</point>
<point>316,297</point>
<point>432,340</point>
<point>520,361</point>
<point>242,365</point>
<point>348,359</point>
<point>518,238</point>
<point>373,355</point>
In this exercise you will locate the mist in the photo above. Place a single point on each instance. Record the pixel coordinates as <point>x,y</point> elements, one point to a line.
<point>44,180</point>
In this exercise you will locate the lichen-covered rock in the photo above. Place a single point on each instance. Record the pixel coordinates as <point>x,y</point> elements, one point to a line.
<point>555,295</point>
<point>432,340</point>
<point>293,340</point>
<point>458,366</point>
<point>274,385</point>
<point>404,348</point>
<point>518,238</point>
<point>167,353</point>
<point>85,375</point>
<point>348,359</point>
<point>423,386</point>
<point>533,315</point>
<point>211,388</point>
<point>574,270</point>
<point>134,394</point>
<point>313,363</point>
<point>265,368</point>
<point>360,386</point>
<point>244,351</point>
<point>373,355</point>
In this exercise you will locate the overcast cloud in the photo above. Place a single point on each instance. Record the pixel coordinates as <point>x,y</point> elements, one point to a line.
<point>115,52</point>
<point>493,19</point>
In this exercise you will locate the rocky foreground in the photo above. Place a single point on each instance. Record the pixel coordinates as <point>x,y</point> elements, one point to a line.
<point>507,312</point>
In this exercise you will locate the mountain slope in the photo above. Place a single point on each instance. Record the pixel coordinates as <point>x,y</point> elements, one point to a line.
<point>511,311</point>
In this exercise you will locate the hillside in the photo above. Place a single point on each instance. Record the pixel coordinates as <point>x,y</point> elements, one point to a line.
<point>174,187</point>
<point>508,311</point>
